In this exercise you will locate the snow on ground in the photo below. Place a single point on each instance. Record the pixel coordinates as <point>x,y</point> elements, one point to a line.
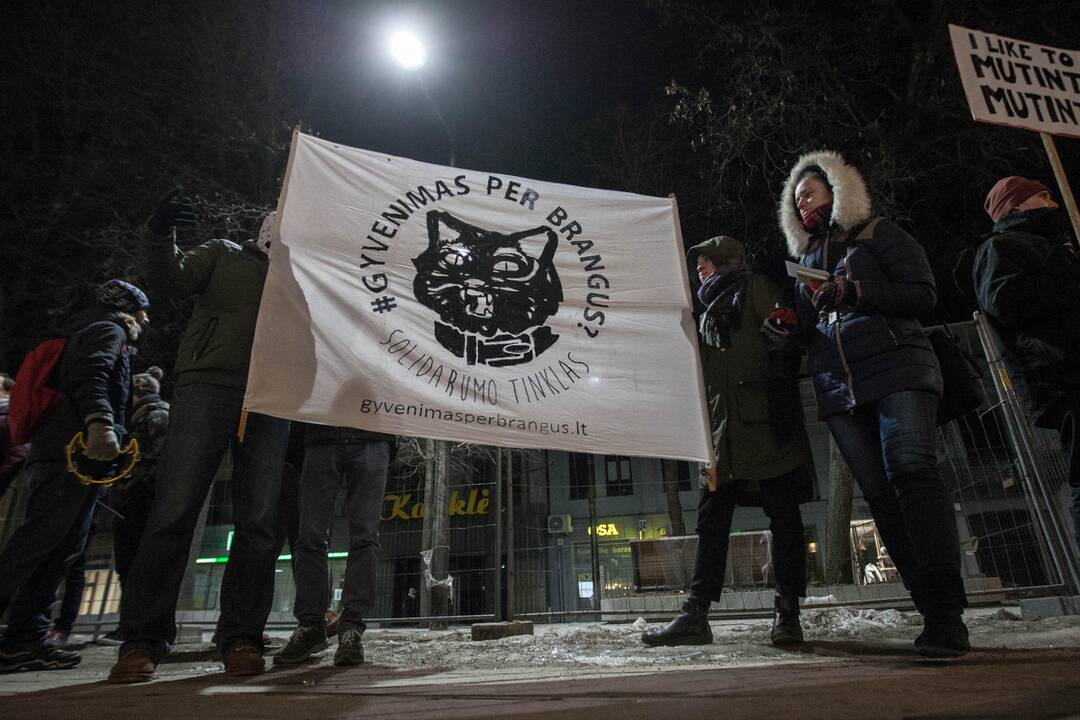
<point>734,641</point>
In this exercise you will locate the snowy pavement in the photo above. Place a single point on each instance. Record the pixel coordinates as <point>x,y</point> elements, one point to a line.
<point>855,664</point>
<point>591,650</point>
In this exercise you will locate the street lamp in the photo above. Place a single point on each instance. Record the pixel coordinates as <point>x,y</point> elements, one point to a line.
<point>407,50</point>
<point>409,53</point>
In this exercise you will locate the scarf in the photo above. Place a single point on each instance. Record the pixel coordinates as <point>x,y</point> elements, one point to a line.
<point>811,219</point>
<point>721,294</point>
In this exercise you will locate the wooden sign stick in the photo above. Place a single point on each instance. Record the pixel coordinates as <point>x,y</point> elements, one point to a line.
<point>1063,182</point>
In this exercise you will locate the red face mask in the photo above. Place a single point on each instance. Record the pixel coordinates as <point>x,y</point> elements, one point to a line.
<point>812,219</point>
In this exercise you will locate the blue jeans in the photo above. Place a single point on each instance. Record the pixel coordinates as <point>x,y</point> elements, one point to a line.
<point>58,516</point>
<point>74,584</point>
<point>362,467</point>
<point>203,425</point>
<point>890,448</point>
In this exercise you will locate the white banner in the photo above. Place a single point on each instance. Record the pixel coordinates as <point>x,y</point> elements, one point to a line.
<point>431,301</point>
<point>1019,84</point>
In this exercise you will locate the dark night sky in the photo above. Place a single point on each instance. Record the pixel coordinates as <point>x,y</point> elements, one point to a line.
<point>509,73</point>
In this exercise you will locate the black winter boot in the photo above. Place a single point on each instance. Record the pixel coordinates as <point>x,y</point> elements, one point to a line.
<point>944,635</point>
<point>691,627</point>
<point>786,629</point>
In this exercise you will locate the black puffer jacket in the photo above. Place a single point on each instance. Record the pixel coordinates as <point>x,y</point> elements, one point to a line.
<point>94,375</point>
<point>878,347</point>
<point>1029,285</point>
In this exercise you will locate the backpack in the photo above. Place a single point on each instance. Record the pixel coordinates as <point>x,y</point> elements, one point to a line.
<point>32,399</point>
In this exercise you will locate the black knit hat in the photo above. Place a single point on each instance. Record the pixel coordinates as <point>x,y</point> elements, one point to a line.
<point>123,296</point>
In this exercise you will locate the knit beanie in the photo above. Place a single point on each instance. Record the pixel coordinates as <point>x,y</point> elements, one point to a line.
<point>123,296</point>
<point>1008,192</point>
<point>149,382</point>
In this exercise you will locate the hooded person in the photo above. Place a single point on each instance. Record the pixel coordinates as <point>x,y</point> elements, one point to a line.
<point>876,377</point>
<point>93,374</point>
<point>1027,280</point>
<point>762,452</point>
<point>133,497</point>
<point>226,280</point>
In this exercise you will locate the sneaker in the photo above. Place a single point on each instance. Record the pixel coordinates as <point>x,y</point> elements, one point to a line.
<point>943,637</point>
<point>134,666</point>
<point>242,660</point>
<point>111,638</point>
<point>36,657</point>
<point>350,649</point>
<point>332,619</point>
<point>306,640</point>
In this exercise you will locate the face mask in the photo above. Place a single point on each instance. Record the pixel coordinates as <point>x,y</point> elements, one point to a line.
<point>813,219</point>
<point>1047,222</point>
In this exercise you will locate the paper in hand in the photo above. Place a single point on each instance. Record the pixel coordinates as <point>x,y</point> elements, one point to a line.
<point>806,275</point>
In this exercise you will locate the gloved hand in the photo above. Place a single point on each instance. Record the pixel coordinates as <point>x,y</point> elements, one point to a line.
<point>101,441</point>
<point>834,294</point>
<point>781,321</point>
<point>173,210</point>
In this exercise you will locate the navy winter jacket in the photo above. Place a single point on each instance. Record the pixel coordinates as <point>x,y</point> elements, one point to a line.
<point>95,376</point>
<point>858,357</point>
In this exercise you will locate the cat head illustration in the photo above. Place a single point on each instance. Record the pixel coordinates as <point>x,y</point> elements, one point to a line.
<point>487,282</point>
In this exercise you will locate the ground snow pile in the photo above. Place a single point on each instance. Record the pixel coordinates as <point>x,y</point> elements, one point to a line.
<point>847,623</point>
<point>592,644</point>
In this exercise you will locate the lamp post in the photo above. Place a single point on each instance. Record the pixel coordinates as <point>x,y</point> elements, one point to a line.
<point>409,53</point>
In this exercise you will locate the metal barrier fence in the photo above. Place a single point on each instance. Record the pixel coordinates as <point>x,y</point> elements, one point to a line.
<point>554,535</point>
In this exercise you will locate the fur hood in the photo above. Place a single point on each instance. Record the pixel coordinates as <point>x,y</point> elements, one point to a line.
<point>851,201</point>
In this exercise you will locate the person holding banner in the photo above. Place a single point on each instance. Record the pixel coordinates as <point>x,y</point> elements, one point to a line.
<point>205,417</point>
<point>360,460</point>
<point>1027,279</point>
<point>762,451</point>
<point>877,378</point>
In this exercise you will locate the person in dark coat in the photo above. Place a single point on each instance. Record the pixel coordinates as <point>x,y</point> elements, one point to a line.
<point>877,378</point>
<point>762,451</point>
<point>133,497</point>
<point>12,457</point>
<point>1027,279</point>
<point>93,374</point>
<point>210,375</point>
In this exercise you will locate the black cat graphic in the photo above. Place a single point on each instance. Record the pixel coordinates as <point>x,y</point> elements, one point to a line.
<point>492,292</point>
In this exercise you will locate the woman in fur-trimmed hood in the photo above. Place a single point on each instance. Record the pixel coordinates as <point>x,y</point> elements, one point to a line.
<point>876,377</point>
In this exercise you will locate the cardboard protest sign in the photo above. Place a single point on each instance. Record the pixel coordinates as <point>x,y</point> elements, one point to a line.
<point>1017,83</point>
<point>433,301</point>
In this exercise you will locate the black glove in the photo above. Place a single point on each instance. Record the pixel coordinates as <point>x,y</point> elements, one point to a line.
<point>834,294</point>
<point>785,405</point>
<point>173,210</point>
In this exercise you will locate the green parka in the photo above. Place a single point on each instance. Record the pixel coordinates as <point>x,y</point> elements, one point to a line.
<point>228,280</point>
<point>738,381</point>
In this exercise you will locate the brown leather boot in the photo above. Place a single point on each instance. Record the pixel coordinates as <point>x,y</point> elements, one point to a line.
<point>134,666</point>
<point>242,660</point>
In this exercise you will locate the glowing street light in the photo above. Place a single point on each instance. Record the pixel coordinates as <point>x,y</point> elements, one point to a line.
<point>407,50</point>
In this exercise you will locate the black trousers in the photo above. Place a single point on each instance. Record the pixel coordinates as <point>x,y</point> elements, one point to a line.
<point>779,497</point>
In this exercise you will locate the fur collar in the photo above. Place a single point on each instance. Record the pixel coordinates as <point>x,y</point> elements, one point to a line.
<point>851,201</point>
